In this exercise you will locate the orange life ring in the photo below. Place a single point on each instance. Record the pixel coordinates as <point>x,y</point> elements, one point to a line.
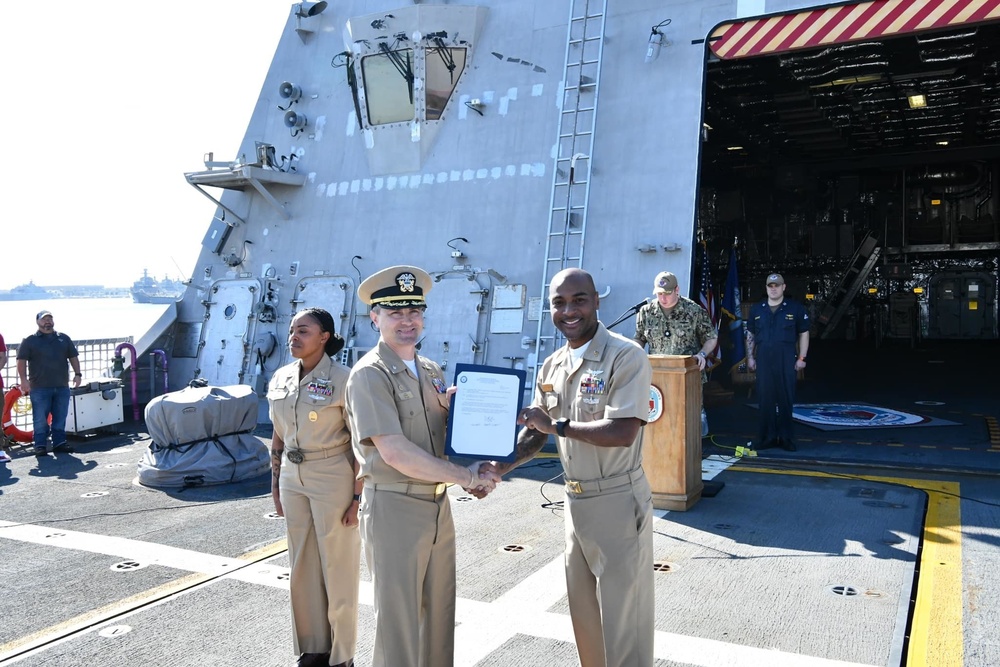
<point>9,429</point>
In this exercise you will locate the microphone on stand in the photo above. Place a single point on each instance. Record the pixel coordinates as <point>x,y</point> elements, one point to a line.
<point>636,307</point>
<point>630,312</point>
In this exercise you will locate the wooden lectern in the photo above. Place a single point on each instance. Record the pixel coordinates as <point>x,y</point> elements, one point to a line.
<point>671,441</point>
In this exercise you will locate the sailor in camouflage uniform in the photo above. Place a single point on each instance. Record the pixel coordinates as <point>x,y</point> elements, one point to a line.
<point>674,324</point>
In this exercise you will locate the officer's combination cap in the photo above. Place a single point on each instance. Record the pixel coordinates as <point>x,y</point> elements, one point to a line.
<point>775,279</point>
<point>665,283</point>
<point>396,287</point>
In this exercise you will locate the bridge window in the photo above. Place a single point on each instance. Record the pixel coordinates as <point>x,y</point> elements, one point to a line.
<point>444,67</point>
<point>388,81</point>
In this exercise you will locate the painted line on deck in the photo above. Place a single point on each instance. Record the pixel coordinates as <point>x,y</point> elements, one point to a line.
<point>994,440</point>
<point>524,607</point>
<point>936,631</point>
<point>115,611</point>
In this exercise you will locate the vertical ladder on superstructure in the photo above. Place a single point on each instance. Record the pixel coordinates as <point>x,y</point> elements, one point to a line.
<point>854,277</point>
<point>567,226</point>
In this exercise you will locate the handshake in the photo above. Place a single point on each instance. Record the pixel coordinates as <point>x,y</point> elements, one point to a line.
<point>484,477</point>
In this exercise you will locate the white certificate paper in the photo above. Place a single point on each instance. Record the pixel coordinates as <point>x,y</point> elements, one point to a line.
<point>482,422</point>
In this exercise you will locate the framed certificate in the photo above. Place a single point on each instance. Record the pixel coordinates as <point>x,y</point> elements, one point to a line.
<point>482,421</point>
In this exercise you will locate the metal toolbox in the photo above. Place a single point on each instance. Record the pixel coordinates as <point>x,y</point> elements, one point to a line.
<point>95,405</point>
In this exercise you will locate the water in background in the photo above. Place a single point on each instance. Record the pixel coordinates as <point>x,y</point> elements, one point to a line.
<point>80,319</point>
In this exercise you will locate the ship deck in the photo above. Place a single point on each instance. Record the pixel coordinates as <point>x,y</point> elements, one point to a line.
<point>872,546</point>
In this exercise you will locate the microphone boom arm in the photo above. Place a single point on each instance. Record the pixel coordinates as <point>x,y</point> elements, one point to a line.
<point>629,313</point>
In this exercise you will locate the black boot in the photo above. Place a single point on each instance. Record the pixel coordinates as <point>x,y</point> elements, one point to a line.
<point>313,660</point>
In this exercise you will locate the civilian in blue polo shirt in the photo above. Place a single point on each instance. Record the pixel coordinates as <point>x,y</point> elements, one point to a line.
<point>41,365</point>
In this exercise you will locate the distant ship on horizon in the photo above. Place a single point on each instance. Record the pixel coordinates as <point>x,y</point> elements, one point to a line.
<point>28,292</point>
<point>150,290</point>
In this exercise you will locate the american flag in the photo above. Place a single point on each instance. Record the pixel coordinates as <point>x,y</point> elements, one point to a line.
<point>706,295</point>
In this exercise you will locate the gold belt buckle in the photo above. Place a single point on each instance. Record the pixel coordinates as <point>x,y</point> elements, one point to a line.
<point>440,488</point>
<point>574,486</point>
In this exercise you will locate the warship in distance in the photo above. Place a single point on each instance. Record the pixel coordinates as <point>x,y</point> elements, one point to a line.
<point>150,290</point>
<point>27,292</point>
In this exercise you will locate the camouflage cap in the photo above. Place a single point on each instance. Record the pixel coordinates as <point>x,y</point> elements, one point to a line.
<point>665,283</point>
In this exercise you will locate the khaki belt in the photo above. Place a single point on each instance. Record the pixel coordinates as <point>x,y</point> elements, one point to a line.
<point>412,488</point>
<point>298,455</point>
<point>606,484</point>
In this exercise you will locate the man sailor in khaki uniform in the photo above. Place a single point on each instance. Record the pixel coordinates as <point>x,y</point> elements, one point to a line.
<point>397,408</point>
<point>593,394</point>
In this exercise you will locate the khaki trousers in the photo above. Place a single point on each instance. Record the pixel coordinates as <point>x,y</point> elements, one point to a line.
<point>609,575</point>
<point>409,546</point>
<point>325,555</point>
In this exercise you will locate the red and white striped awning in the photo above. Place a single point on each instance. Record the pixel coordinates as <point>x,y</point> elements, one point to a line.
<point>845,23</point>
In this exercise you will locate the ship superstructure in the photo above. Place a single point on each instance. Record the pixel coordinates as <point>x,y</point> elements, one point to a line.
<point>494,143</point>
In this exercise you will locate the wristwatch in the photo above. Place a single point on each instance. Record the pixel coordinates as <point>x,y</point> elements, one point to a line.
<point>561,425</point>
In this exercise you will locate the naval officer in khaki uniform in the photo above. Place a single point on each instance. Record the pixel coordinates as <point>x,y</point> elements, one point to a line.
<point>593,394</point>
<point>397,407</point>
<point>314,486</point>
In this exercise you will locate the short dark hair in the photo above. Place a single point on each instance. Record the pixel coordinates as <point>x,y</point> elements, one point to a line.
<point>335,343</point>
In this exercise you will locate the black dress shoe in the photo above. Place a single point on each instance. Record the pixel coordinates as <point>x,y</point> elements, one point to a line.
<point>765,444</point>
<point>788,446</point>
<point>313,660</point>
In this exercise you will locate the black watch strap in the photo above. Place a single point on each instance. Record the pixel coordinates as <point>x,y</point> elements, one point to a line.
<point>561,425</point>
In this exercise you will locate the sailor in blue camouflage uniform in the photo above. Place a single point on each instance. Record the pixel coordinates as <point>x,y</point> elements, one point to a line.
<point>777,343</point>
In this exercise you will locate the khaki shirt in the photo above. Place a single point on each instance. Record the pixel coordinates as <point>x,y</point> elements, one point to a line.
<point>308,414</point>
<point>611,381</point>
<point>383,398</point>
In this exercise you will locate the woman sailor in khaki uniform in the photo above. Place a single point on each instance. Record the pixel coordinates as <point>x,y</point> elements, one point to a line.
<point>315,488</point>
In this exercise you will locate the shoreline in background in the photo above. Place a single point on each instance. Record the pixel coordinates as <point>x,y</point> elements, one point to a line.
<point>81,319</point>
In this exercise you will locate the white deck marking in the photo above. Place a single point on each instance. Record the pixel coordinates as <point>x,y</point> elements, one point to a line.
<point>149,553</point>
<point>710,467</point>
<point>523,608</point>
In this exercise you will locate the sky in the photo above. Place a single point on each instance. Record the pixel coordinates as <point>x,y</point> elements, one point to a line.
<point>106,106</point>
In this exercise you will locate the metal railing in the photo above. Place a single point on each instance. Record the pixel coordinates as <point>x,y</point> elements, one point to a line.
<point>95,355</point>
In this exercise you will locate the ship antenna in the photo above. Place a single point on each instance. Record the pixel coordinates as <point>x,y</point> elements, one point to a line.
<point>179,269</point>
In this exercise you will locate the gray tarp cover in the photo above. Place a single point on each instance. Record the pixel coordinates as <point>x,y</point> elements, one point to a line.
<point>203,435</point>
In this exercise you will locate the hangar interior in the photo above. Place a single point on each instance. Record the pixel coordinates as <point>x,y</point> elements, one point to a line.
<point>868,174</point>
